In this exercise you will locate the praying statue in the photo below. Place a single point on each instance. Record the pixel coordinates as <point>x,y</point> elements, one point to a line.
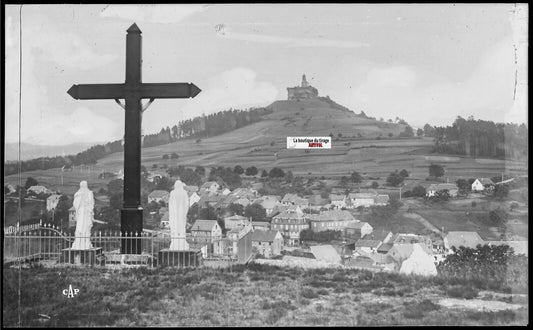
<point>178,205</point>
<point>84,205</point>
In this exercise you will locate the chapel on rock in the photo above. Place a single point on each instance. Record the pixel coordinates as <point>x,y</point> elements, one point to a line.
<point>305,91</point>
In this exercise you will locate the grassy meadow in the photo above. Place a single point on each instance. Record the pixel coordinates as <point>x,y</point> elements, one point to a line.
<point>252,295</point>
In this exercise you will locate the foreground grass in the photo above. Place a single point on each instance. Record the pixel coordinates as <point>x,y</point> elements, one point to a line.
<point>254,295</point>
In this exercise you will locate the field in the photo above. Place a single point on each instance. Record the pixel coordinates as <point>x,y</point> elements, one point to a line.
<point>253,295</point>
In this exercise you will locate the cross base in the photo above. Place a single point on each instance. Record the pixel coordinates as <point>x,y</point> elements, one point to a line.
<point>131,222</point>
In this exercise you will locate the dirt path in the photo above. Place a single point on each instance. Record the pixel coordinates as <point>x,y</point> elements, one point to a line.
<point>478,304</point>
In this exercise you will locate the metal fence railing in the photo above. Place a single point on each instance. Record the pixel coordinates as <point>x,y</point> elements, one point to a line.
<point>50,244</point>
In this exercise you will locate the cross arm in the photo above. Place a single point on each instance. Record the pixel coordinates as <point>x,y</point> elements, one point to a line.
<point>97,91</point>
<point>169,90</point>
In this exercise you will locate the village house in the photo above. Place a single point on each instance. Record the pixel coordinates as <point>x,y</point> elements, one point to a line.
<point>260,225</point>
<point>435,187</point>
<point>330,220</point>
<point>158,196</point>
<point>357,229</point>
<point>210,187</point>
<point>238,243</point>
<point>268,202</point>
<point>482,184</point>
<point>469,239</point>
<point>290,223</point>
<point>36,190</point>
<point>236,221</point>
<point>51,202</point>
<point>293,199</point>
<point>205,233</point>
<point>268,243</point>
<point>338,201</point>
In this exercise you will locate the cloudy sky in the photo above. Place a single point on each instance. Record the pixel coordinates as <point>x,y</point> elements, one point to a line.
<point>423,63</point>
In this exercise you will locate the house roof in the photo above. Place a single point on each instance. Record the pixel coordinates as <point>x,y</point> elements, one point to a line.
<point>236,217</point>
<point>379,235</point>
<point>190,193</point>
<point>336,198</point>
<point>382,199</point>
<point>519,247</point>
<point>408,238</point>
<point>385,247</point>
<point>244,192</point>
<point>326,253</point>
<point>191,188</point>
<point>363,196</point>
<point>290,213</point>
<point>356,224</point>
<point>485,181</point>
<point>210,199</point>
<point>268,202</point>
<point>38,188</point>
<point>261,223</point>
<point>468,239</point>
<point>367,243</point>
<point>400,252</point>
<point>264,235</point>
<point>208,184</point>
<point>203,225</point>
<point>442,186</point>
<point>293,198</point>
<point>158,194</point>
<point>334,215</point>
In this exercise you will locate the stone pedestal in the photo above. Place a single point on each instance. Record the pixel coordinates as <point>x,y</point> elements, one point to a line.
<point>190,258</point>
<point>82,257</point>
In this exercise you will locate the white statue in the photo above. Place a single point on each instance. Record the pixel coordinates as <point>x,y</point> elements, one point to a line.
<point>178,205</point>
<point>84,205</point>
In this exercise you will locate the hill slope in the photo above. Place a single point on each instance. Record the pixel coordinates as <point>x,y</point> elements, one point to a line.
<point>363,145</point>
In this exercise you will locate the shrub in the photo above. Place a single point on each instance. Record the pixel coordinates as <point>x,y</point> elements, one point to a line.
<point>309,293</point>
<point>462,291</point>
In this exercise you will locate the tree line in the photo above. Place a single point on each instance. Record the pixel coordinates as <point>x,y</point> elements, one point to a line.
<point>201,126</point>
<point>481,138</point>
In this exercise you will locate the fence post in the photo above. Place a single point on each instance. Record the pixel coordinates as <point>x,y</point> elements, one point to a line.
<point>152,250</point>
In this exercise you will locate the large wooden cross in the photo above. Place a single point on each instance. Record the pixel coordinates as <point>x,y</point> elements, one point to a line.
<point>132,91</point>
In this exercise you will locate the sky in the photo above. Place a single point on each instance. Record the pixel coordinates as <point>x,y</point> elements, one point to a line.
<point>423,63</point>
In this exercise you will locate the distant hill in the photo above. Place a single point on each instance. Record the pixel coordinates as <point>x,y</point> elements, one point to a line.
<point>30,151</point>
<point>360,143</point>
